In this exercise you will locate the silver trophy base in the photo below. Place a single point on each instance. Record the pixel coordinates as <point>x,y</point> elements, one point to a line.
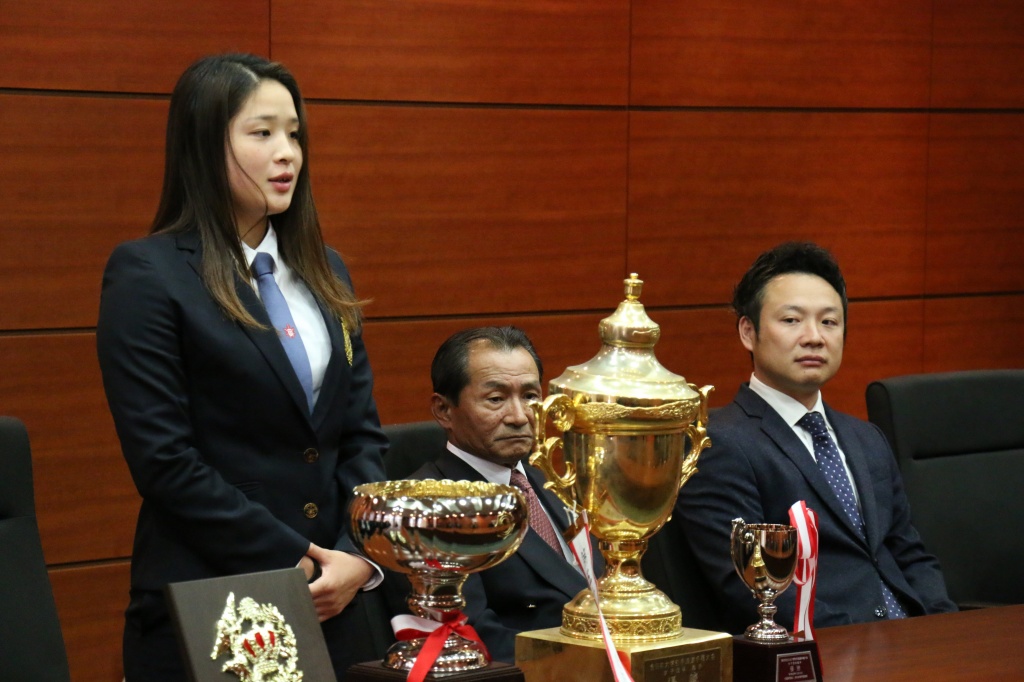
<point>458,655</point>
<point>767,632</point>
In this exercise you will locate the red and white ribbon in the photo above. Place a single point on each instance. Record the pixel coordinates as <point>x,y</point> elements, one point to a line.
<point>806,523</point>
<point>583,552</point>
<point>408,627</point>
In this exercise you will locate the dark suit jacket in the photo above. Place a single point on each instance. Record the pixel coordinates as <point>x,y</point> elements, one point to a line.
<point>756,468</point>
<point>215,429</point>
<point>527,590</point>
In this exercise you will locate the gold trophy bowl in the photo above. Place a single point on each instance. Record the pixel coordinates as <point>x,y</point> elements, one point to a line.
<point>765,556</point>
<point>438,532</point>
<point>625,423</point>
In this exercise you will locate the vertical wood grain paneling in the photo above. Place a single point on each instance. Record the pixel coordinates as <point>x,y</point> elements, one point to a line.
<point>122,45</point>
<point>85,501</point>
<point>517,51</point>
<point>90,603</point>
<point>711,190</point>
<point>89,172</point>
<point>401,352</point>
<point>884,338</point>
<point>974,332</point>
<point>978,54</point>
<point>976,203</point>
<point>774,53</point>
<point>442,211</point>
<point>700,345</point>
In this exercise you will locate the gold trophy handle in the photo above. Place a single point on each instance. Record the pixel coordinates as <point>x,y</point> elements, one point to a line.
<point>697,433</point>
<point>562,412</point>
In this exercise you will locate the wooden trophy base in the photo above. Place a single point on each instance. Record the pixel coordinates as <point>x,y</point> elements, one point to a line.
<point>697,655</point>
<point>374,671</point>
<point>793,661</point>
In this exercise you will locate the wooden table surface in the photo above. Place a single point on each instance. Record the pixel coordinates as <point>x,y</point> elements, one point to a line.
<point>983,644</point>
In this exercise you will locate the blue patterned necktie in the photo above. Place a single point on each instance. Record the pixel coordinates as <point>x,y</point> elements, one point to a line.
<point>831,464</point>
<point>281,319</point>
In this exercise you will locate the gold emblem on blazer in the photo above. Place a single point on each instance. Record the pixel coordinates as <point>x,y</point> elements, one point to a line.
<point>348,342</point>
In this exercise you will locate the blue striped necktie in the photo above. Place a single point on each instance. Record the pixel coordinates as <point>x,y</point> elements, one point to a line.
<point>831,464</point>
<point>281,318</point>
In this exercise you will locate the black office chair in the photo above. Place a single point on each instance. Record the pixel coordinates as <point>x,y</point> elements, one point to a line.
<point>412,445</point>
<point>959,441</point>
<point>31,642</point>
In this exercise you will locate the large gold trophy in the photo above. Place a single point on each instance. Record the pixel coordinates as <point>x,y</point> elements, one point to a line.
<point>631,435</point>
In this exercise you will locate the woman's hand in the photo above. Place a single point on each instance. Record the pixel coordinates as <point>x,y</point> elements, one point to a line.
<point>343,575</point>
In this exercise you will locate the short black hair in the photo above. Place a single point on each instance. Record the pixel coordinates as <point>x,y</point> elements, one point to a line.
<point>449,372</point>
<point>789,257</point>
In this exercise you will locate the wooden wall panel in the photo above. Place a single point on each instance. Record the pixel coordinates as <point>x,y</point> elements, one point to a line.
<point>477,161</point>
<point>976,203</point>
<point>885,338</point>
<point>978,54</point>
<point>401,352</point>
<point>122,45</point>
<point>705,347</point>
<point>85,501</point>
<point>519,51</point>
<point>89,172</point>
<point>90,602</point>
<point>709,191</point>
<point>442,211</point>
<point>974,332</point>
<point>809,53</point>
<point>700,345</point>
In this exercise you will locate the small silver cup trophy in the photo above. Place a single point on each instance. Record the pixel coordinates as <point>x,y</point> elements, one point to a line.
<point>765,557</point>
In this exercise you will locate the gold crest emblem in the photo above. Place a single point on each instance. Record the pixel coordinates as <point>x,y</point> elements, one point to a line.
<point>348,342</point>
<point>265,652</point>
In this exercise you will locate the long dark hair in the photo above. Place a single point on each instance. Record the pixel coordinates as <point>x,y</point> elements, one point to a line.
<point>196,194</point>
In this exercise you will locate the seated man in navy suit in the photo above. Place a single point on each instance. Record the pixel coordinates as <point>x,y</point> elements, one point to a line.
<point>778,443</point>
<point>484,380</point>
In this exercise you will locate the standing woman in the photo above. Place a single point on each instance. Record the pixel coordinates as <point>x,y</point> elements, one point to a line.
<point>238,381</point>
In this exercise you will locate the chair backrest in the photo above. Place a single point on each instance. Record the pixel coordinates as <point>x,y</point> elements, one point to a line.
<point>959,441</point>
<point>412,445</point>
<point>671,565</point>
<point>31,642</point>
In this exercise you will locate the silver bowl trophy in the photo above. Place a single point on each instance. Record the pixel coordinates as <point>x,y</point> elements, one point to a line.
<point>629,436</point>
<point>437,533</point>
<point>765,558</point>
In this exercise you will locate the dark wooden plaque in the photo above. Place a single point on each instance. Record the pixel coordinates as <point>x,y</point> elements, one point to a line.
<point>793,661</point>
<point>197,607</point>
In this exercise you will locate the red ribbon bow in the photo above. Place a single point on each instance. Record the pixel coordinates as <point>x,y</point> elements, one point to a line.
<point>434,643</point>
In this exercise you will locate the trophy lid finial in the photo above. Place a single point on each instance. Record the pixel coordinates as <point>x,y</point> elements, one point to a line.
<point>630,325</point>
<point>625,369</point>
<point>633,287</point>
